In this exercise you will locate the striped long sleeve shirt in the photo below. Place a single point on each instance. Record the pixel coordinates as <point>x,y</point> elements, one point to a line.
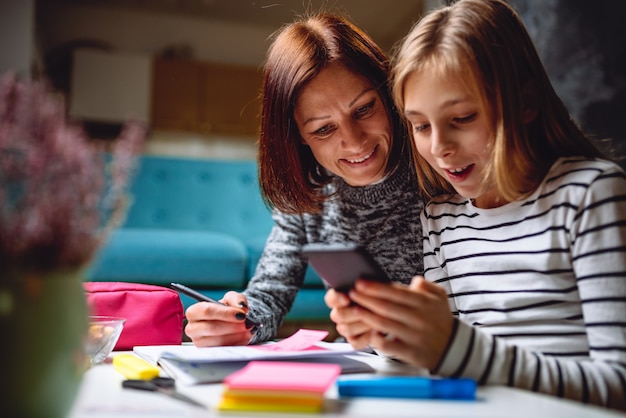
<point>538,286</point>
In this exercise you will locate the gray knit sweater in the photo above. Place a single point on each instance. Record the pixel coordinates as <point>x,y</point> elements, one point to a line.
<point>383,217</point>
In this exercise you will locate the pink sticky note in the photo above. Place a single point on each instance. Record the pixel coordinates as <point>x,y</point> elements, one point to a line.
<point>277,375</point>
<point>302,340</point>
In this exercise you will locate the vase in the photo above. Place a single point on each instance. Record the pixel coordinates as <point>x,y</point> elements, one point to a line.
<point>43,323</point>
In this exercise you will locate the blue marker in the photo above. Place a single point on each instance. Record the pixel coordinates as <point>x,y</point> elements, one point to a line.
<point>411,387</point>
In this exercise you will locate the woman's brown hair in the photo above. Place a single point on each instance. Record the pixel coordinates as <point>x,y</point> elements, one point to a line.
<point>485,44</point>
<point>290,177</point>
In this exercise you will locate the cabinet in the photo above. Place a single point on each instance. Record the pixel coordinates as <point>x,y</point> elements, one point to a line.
<point>205,98</point>
<point>175,97</point>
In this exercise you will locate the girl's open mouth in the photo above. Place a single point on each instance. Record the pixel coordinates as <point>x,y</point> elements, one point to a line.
<point>460,173</point>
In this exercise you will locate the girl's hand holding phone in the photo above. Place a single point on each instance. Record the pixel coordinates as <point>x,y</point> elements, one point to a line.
<point>345,315</point>
<point>410,323</point>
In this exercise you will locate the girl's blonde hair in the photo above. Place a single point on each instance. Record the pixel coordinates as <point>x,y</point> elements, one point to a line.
<point>486,45</point>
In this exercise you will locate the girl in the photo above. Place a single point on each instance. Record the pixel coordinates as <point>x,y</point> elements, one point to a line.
<point>525,230</point>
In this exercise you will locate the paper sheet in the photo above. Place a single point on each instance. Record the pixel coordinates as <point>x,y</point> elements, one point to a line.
<point>304,343</point>
<point>190,353</point>
<point>187,373</point>
<point>189,364</point>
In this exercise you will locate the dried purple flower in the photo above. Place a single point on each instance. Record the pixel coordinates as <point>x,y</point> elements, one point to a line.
<point>59,192</point>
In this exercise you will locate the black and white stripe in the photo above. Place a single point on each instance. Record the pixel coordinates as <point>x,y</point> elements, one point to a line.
<point>539,285</point>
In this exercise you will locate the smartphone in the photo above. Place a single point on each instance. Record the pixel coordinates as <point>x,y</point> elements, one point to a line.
<point>340,265</point>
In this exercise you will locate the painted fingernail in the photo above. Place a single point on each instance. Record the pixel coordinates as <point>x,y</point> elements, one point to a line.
<point>240,316</point>
<point>243,304</point>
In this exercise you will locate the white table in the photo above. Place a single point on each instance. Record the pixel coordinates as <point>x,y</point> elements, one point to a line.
<point>101,396</point>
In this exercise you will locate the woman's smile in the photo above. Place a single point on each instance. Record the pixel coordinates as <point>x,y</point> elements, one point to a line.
<point>361,160</point>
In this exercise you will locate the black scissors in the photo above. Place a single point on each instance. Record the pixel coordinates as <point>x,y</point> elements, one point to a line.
<point>163,385</point>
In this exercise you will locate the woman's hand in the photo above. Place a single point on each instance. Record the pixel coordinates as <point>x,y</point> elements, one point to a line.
<point>410,323</point>
<point>212,324</point>
<point>345,316</point>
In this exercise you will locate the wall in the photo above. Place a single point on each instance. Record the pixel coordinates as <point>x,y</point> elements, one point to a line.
<point>189,145</point>
<point>582,43</point>
<point>151,33</point>
<point>583,46</point>
<point>16,36</point>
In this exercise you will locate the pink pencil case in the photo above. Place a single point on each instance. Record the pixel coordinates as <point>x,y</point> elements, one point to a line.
<point>154,314</point>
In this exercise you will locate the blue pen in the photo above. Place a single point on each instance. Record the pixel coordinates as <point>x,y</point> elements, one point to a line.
<point>411,387</point>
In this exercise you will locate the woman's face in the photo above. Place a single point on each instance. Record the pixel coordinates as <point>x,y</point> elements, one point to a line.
<point>451,131</point>
<point>342,119</point>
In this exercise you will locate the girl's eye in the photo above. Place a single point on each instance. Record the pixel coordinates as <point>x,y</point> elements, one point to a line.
<point>417,128</point>
<point>466,119</point>
<point>365,110</point>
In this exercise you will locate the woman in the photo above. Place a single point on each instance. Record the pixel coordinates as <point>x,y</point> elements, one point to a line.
<point>335,167</point>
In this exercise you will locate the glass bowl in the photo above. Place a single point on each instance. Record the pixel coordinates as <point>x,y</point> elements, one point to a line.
<point>104,331</point>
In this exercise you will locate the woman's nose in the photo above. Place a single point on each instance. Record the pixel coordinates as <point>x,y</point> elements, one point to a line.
<point>352,136</point>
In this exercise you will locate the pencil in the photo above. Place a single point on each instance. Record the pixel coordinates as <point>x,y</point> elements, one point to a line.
<point>204,298</point>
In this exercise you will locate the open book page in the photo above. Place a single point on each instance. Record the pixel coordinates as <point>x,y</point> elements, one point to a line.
<point>191,364</point>
<point>303,343</point>
<point>187,373</point>
<point>191,353</point>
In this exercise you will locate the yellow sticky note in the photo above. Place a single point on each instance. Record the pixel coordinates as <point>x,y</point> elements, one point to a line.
<point>133,367</point>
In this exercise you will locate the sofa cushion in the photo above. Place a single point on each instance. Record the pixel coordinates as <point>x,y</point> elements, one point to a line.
<point>255,250</point>
<point>159,256</point>
<point>197,194</point>
<point>309,306</point>
<point>255,246</point>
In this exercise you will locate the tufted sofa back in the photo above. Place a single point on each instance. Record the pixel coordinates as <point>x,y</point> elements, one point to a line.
<point>198,194</point>
<point>199,222</point>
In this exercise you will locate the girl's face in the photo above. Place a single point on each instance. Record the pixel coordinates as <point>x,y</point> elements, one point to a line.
<point>342,119</point>
<point>451,131</point>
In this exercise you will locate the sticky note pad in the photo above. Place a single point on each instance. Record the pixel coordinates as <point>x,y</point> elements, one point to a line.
<point>282,375</point>
<point>278,386</point>
<point>133,367</point>
<point>262,403</point>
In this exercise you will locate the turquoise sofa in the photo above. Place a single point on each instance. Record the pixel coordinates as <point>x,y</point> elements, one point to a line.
<point>199,222</point>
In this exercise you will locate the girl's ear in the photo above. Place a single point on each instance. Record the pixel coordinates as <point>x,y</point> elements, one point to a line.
<point>530,97</point>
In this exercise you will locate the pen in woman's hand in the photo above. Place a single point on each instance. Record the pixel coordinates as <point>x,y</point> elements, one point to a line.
<point>250,324</point>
